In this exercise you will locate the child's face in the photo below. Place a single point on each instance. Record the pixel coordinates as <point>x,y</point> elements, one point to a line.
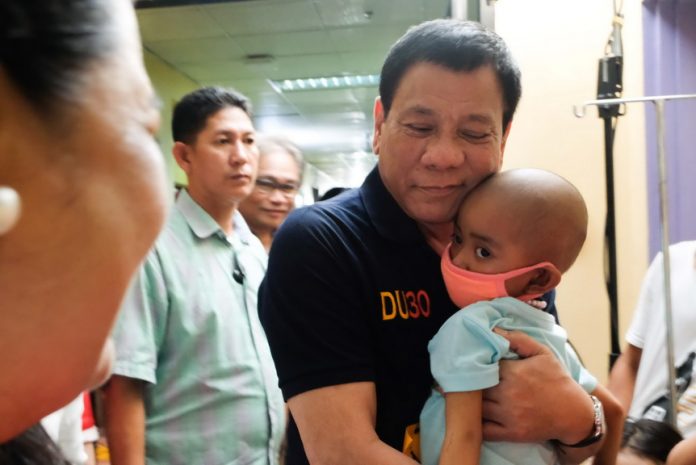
<point>487,240</point>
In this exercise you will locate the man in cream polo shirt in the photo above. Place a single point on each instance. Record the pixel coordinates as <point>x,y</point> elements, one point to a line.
<point>194,382</point>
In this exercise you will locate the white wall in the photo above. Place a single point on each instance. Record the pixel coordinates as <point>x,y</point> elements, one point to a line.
<point>557,44</point>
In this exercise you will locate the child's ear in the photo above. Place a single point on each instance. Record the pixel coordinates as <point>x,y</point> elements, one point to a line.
<point>546,278</point>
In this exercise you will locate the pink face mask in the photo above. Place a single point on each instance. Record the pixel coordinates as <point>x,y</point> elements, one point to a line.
<point>466,287</point>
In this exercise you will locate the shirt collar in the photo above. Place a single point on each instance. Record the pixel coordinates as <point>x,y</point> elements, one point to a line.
<point>203,225</point>
<point>387,216</point>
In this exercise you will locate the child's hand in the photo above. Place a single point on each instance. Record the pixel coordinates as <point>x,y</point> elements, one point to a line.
<point>538,304</point>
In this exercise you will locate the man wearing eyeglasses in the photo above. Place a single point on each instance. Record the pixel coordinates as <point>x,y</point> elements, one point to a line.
<point>278,180</point>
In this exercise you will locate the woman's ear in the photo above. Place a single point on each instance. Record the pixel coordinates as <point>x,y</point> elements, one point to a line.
<point>546,277</point>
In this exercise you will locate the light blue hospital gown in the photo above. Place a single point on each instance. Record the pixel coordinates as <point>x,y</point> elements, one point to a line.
<point>464,356</point>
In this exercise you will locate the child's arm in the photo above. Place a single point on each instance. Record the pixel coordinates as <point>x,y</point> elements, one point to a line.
<point>462,444</point>
<point>614,419</point>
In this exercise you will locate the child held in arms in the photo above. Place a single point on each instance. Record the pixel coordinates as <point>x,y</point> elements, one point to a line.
<point>514,236</point>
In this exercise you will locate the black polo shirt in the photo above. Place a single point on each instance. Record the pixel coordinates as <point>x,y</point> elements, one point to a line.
<point>354,293</point>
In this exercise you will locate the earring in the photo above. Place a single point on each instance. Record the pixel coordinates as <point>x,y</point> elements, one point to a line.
<point>10,207</point>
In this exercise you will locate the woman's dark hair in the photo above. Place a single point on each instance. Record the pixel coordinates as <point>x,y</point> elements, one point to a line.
<point>45,45</point>
<point>649,438</point>
<point>33,447</point>
<point>458,46</point>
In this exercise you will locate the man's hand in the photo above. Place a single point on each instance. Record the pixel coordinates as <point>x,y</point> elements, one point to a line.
<point>536,400</point>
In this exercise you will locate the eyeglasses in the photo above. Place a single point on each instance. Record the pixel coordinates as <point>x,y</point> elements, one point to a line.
<point>268,185</point>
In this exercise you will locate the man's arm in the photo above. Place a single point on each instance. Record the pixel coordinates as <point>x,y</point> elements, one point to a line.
<point>124,410</point>
<point>462,443</point>
<point>622,379</point>
<point>337,426</point>
<point>614,418</point>
<point>536,400</point>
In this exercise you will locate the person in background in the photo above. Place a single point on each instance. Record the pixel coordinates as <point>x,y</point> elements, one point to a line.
<point>273,197</point>
<point>353,291</point>
<point>82,195</point>
<point>194,382</point>
<point>32,447</point>
<point>514,236</point>
<point>90,432</point>
<point>64,427</point>
<point>684,453</point>
<point>647,442</point>
<point>639,378</point>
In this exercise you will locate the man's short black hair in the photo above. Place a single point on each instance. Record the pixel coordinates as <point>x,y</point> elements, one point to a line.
<point>192,111</point>
<point>456,45</point>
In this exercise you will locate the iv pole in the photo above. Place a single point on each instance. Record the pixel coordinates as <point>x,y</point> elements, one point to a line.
<point>659,102</point>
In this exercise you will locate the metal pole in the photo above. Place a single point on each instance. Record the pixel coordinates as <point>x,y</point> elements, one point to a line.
<point>610,240</point>
<point>482,11</point>
<point>579,110</point>
<point>487,12</point>
<point>664,221</point>
<point>460,9</point>
<point>659,102</point>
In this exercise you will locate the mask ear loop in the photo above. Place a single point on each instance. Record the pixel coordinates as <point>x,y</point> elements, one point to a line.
<point>10,208</point>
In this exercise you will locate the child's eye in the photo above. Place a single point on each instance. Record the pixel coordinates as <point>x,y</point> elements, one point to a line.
<point>482,253</point>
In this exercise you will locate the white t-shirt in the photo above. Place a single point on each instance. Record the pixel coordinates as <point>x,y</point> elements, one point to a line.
<point>648,332</point>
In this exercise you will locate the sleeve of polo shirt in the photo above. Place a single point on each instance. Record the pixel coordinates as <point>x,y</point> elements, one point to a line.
<point>577,371</point>
<point>464,354</point>
<point>308,304</point>
<point>140,325</point>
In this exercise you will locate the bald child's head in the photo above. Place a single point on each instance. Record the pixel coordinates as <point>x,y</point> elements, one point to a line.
<point>530,215</point>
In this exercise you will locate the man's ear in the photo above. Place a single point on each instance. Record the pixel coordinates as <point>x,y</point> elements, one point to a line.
<point>378,115</point>
<point>543,280</point>
<point>182,155</point>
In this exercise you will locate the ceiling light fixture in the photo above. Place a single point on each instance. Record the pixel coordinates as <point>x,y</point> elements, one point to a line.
<point>325,82</point>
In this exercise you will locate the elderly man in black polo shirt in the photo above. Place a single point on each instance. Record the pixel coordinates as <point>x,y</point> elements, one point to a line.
<point>354,292</point>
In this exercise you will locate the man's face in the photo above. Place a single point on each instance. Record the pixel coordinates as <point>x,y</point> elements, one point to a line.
<point>273,196</point>
<point>223,159</point>
<point>443,135</point>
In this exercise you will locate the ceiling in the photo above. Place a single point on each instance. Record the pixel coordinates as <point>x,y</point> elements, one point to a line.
<point>244,44</point>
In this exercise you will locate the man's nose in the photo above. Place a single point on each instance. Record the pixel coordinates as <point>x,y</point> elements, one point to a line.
<point>277,196</point>
<point>240,153</point>
<point>443,152</point>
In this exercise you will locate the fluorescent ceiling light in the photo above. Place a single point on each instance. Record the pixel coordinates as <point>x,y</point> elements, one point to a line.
<point>324,82</point>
